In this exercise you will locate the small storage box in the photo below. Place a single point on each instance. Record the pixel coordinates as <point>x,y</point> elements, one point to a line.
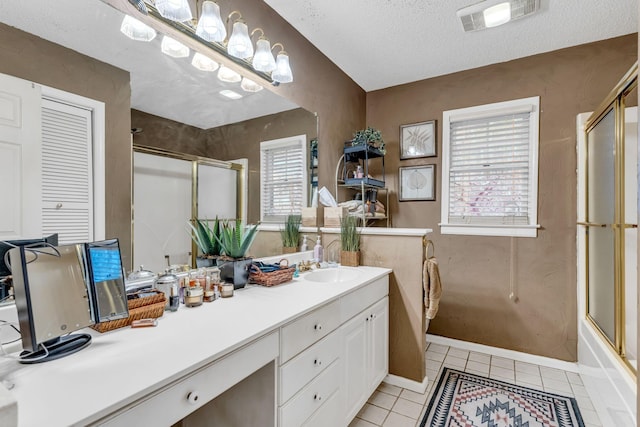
<point>309,217</point>
<point>332,216</point>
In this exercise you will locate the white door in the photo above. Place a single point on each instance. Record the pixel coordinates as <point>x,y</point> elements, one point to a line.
<point>20,159</point>
<point>354,385</point>
<point>378,336</point>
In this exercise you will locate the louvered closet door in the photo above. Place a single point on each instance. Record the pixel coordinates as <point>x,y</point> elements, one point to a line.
<point>67,186</point>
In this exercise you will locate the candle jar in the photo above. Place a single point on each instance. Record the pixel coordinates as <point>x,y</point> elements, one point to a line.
<point>226,290</point>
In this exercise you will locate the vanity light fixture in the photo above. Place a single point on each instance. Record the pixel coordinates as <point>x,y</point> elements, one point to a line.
<point>174,10</point>
<point>263,58</point>
<point>210,31</point>
<point>204,63</point>
<point>173,48</point>
<point>230,94</point>
<point>492,13</point>
<point>282,73</point>
<point>228,75</point>
<point>137,30</point>
<point>210,26</point>
<point>239,44</point>
<point>250,86</point>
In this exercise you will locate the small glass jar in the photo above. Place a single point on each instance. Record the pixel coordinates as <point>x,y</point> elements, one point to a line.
<point>193,296</point>
<point>226,290</point>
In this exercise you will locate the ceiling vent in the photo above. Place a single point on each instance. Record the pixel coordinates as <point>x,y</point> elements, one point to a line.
<point>491,13</point>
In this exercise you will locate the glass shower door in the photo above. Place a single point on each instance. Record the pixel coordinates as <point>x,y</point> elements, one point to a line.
<point>601,247</point>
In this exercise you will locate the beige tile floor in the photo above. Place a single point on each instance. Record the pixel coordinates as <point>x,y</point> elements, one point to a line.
<point>392,406</point>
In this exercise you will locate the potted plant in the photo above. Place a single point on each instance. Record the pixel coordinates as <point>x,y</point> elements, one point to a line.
<point>290,234</point>
<point>369,136</point>
<point>349,241</point>
<point>235,241</point>
<point>205,238</point>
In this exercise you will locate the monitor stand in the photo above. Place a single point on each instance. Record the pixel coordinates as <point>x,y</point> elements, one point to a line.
<point>57,348</point>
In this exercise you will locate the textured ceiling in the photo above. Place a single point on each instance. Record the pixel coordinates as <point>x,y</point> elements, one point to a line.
<point>382,43</point>
<point>160,85</point>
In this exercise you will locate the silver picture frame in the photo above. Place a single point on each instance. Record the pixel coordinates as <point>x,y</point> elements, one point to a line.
<point>418,140</point>
<point>417,183</point>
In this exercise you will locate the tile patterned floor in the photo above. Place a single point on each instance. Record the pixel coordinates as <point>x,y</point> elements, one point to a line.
<point>392,406</point>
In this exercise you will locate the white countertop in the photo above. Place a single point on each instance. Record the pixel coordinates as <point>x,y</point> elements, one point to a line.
<point>124,365</point>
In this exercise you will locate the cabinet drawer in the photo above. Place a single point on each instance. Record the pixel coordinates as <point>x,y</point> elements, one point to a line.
<point>178,400</point>
<point>311,398</point>
<point>356,301</point>
<point>301,333</point>
<point>304,367</point>
<point>328,414</point>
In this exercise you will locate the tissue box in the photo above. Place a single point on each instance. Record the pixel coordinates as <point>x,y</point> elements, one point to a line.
<point>332,216</point>
<point>309,217</point>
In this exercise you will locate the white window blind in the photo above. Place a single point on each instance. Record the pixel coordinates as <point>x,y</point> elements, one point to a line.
<point>283,175</point>
<point>67,183</point>
<point>490,170</point>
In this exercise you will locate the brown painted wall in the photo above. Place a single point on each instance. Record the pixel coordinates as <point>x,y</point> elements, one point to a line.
<point>31,58</point>
<point>476,270</point>
<point>234,141</point>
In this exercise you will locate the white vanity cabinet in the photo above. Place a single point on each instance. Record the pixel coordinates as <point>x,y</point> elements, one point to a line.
<point>317,345</point>
<point>333,358</point>
<point>365,345</point>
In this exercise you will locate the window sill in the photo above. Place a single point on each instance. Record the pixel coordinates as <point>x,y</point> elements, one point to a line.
<point>490,230</point>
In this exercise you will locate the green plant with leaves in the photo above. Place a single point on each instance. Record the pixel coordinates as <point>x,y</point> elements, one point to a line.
<point>369,136</point>
<point>205,236</point>
<point>235,240</point>
<point>349,234</point>
<point>290,234</point>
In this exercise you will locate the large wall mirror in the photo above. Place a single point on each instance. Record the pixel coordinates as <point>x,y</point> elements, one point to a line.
<point>174,106</point>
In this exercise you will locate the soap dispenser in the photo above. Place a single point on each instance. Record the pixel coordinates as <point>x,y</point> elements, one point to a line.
<point>305,245</point>
<point>318,252</point>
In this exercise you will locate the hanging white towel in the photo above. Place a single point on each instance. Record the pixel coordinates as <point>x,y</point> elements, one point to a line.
<point>432,287</point>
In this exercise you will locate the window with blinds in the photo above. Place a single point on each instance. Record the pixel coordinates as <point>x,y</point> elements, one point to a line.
<point>283,178</point>
<point>490,169</point>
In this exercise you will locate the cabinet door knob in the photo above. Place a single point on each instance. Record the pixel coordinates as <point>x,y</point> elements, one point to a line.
<point>192,397</point>
<point>317,362</point>
<point>59,205</point>
<point>318,327</point>
<point>317,397</point>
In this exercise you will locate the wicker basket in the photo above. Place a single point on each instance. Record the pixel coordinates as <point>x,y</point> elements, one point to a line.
<point>148,307</point>
<point>285,274</point>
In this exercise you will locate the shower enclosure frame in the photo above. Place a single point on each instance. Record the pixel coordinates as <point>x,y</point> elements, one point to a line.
<point>614,102</point>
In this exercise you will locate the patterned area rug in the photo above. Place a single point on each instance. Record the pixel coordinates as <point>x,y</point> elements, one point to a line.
<point>469,400</point>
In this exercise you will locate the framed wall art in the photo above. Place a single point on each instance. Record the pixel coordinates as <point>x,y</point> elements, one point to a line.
<point>417,183</point>
<point>418,140</point>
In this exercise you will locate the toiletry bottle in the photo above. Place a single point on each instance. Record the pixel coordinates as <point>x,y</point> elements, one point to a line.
<point>318,253</point>
<point>174,299</point>
<point>305,246</point>
<point>359,172</point>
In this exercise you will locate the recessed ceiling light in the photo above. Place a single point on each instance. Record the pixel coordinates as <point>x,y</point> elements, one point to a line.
<point>492,13</point>
<point>497,15</point>
<point>230,94</point>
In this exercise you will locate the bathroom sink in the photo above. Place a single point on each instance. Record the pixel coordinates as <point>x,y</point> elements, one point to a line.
<point>332,275</point>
